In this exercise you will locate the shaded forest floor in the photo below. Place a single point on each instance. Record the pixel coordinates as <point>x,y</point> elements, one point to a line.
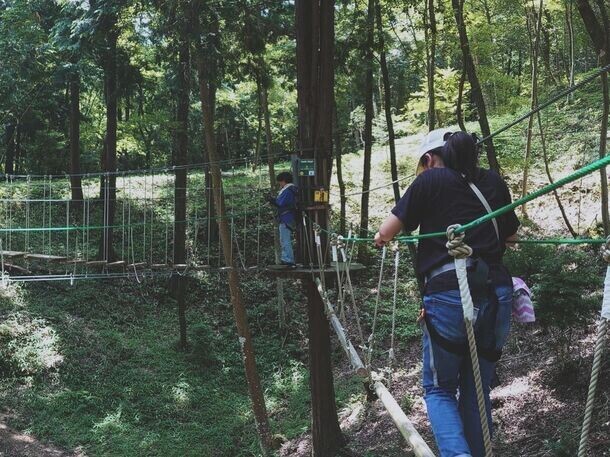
<point>538,405</point>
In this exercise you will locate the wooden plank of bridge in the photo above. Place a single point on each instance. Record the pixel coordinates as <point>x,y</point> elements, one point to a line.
<point>137,265</point>
<point>46,257</point>
<point>12,254</point>
<point>402,422</point>
<point>117,264</point>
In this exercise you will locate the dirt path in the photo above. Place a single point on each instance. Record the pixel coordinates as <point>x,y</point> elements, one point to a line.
<point>16,444</point>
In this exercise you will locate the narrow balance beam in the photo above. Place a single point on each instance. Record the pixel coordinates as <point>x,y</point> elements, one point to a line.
<point>404,425</point>
<point>347,345</point>
<point>402,422</point>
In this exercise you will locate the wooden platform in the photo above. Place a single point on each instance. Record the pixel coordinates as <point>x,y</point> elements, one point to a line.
<point>304,272</point>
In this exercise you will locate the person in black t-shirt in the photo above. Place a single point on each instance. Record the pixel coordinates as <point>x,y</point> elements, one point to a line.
<point>444,194</point>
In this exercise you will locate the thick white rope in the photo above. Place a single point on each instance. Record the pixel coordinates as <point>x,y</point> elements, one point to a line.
<point>602,330</point>
<point>460,252</point>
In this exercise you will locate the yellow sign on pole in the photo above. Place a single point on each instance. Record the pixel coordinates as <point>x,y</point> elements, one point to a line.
<point>320,196</point>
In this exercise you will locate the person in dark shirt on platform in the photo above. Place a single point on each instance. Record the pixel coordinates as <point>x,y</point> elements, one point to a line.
<point>286,204</point>
<point>442,195</point>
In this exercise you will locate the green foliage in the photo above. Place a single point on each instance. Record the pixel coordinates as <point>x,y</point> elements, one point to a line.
<point>28,346</point>
<point>446,95</point>
<point>560,288</point>
<point>564,283</point>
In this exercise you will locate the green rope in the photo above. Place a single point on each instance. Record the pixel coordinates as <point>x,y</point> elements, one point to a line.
<point>561,241</point>
<point>586,170</point>
<point>416,238</point>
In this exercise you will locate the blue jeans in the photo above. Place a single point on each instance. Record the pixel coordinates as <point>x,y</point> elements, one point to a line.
<point>287,256</point>
<point>455,418</point>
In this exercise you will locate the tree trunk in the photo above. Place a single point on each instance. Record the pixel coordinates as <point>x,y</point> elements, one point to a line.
<point>570,29</point>
<point>207,75</point>
<point>180,159</point>
<point>387,93</point>
<point>431,64</point>
<point>599,32</point>
<point>315,95</point>
<point>340,181</point>
<point>18,137</point>
<point>74,134</point>
<point>459,112</point>
<point>550,176</point>
<point>534,35</point>
<point>545,47</point>
<point>368,121</point>
<point>109,165</point>
<point>264,107</point>
<point>326,442</point>
<point>9,133</point>
<point>259,128</point>
<point>475,85</point>
<point>603,140</point>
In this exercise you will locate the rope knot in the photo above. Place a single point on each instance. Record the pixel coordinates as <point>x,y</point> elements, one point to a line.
<point>455,243</point>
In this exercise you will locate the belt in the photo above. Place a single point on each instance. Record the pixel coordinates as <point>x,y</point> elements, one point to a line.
<point>446,267</point>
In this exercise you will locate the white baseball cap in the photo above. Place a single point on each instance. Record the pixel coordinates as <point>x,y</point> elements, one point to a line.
<point>433,140</point>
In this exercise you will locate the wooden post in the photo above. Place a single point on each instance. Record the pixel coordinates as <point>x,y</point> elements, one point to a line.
<point>315,95</point>
<point>325,431</point>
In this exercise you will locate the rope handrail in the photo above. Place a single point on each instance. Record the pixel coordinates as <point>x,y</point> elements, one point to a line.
<point>588,169</point>
<point>243,161</point>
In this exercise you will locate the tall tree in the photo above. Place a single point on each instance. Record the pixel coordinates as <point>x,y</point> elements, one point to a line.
<point>368,118</point>
<point>475,86</point>
<point>180,160</point>
<point>10,134</point>
<point>315,35</point>
<point>387,92</point>
<point>534,21</point>
<point>598,29</point>
<point>109,29</point>
<point>74,134</point>
<point>430,34</point>
<point>207,70</point>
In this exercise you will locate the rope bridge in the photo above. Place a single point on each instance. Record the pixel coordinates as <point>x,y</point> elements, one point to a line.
<point>45,235</point>
<point>342,248</point>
